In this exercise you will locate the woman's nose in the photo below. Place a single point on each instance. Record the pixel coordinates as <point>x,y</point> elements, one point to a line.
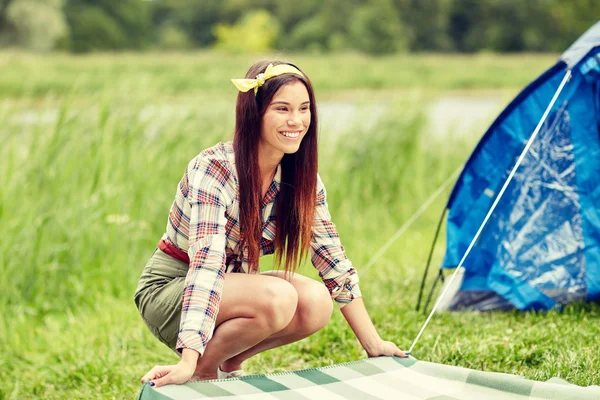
<point>294,120</point>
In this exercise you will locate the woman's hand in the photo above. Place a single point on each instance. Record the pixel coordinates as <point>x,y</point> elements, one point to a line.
<point>169,374</point>
<point>385,348</point>
<point>358,318</point>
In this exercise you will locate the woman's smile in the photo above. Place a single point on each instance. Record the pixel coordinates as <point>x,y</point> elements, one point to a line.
<point>292,135</point>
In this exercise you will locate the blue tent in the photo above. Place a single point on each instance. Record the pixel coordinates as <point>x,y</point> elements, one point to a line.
<point>541,245</point>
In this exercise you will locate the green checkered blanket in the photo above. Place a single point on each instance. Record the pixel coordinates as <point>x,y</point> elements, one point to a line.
<point>376,378</point>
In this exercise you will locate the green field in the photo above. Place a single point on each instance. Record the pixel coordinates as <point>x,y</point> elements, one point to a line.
<point>92,148</point>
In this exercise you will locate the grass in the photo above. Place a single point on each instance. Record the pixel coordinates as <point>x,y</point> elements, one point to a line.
<point>92,150</point>
<point>175,74</point>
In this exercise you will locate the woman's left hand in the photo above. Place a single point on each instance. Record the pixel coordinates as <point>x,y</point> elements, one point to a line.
<point>385,348</point>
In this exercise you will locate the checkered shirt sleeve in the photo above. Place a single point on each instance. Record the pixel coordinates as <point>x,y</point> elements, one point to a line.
<point>328,255</point>
<point>207,197</point>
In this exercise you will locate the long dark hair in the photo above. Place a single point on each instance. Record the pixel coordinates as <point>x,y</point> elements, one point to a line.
<point>296,201</point>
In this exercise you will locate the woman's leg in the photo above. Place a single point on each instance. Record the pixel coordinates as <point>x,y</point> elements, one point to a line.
<point>252,308</point>
<point>312,313</point>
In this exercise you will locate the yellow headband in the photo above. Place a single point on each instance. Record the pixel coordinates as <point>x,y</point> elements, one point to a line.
<point>245,85</point>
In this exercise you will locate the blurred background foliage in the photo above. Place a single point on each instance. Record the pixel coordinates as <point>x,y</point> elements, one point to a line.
<point>371,26</point>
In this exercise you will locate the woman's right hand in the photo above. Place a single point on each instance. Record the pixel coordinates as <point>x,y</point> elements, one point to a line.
<point>169,374</point>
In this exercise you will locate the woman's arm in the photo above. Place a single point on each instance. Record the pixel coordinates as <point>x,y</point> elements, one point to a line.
<point>207,240</point>
<point>204,279</point>
<point>340,277</point>
<point>362,326</point>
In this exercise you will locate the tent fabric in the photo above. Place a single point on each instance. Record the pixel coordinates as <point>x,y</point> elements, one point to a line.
<point>541,246</point>
<point>582,46</point>
<point>376,378</point>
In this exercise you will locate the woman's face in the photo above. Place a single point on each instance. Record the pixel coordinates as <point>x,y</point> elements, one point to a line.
<point>285,121</point>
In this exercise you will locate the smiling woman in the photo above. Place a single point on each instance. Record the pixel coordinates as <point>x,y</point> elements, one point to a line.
<point>288,115</point>
<point>201,292</point>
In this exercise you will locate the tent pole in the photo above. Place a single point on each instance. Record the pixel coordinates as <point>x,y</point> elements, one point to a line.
<point>435,237</point>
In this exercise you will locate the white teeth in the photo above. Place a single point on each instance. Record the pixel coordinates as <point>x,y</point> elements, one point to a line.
<point>290,134</point>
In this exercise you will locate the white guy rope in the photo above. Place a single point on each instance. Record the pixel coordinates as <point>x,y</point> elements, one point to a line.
<point>498,197</point>
<point>412,219</point>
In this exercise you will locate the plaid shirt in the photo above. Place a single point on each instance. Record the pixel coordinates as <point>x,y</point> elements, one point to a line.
<point>204,222</point>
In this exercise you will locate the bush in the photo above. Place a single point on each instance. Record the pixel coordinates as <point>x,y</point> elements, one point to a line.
<point>254,32</point>
<point>37,25</point>
<point>310,34</point>
<point>93,29</point>
<point>376,28</point>
<point>172,37</point>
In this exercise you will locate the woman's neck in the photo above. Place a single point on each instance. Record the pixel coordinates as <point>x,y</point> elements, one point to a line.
<point>267,164</point>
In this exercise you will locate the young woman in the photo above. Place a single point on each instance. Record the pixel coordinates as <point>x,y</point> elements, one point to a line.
<point>201,292</point>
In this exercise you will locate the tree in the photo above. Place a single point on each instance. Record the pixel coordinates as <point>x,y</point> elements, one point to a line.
<point>3,22</point>
<point>566,21</point>
<point>36,24</point>
<point>425,24</point>
<point>109,24</point>
<point>464,16</point>
<point>297,21</point>
<point>310,34</point>
<point>376,28</point>
<point>193,18</point>
<point>94,29</point>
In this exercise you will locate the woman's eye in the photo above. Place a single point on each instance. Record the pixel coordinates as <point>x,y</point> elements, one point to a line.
<point>281,109</point>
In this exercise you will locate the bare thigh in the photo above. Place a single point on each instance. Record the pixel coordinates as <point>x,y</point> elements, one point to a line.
<point>314,303</point>
<point>246,295</point>
<point>300,282</point>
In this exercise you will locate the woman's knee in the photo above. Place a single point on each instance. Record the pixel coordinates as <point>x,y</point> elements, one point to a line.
<point>277,305</point>
<point>314,307</point>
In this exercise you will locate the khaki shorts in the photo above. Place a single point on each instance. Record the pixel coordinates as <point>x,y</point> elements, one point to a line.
<point>158,296</point>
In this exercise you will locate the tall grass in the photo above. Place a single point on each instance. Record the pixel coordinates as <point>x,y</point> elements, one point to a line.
<point>89,172</point>
<point>174,74</point>
<point>86,197</point>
